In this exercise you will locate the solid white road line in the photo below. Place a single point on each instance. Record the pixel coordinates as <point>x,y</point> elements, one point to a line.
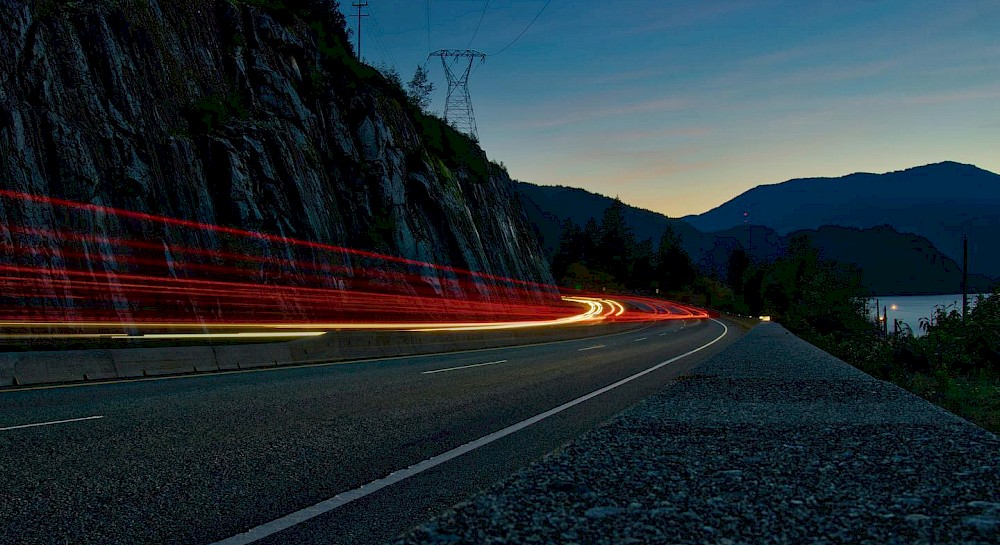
<point>463,367</point>
<point>287,521</point>
<point>51,423</point>
<point>591,348</point>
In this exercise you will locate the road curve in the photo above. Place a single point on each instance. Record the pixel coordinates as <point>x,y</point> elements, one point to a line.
<point>203,459</point>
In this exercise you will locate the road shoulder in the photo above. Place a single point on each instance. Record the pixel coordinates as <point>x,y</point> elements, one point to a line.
<point>771,440</point>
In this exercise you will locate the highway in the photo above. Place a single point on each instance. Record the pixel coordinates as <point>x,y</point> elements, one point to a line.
<point>204,459</point>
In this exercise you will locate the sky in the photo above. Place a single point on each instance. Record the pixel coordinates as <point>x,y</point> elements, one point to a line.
<point>678,106</point>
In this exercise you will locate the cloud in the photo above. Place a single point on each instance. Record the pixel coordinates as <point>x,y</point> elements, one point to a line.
<point>624,167</point>
<point>602,108</point>
<point>837,74</point>
<point>644,74</point>
<point>957,95</point>
<point>686,132</point>
<point>667,16</point>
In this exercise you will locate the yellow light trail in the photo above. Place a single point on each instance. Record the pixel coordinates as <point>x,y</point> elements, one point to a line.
<point>244,335</point>
<point>595,312</point>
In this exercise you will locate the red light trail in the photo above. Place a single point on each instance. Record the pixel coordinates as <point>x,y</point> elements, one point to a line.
<point>65,282</point>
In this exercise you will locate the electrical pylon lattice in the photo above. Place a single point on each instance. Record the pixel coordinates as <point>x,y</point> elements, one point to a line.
<point>458,105</point>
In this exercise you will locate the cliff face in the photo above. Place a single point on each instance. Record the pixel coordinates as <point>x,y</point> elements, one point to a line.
<point>245,114</point>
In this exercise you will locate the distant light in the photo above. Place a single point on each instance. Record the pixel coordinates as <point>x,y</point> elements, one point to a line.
<point>893,307</point>
<point>765,318</point>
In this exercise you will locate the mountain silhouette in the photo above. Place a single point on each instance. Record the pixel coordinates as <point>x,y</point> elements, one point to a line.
<point>893,263</point>
<point>941,202</point>
<point>548,206</point>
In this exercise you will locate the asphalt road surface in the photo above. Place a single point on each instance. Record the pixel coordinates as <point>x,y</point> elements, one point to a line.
<point>204,459</point>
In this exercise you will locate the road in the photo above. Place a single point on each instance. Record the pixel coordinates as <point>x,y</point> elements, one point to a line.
<point>200,460</point>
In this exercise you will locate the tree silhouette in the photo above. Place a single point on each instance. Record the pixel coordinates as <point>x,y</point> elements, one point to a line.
<point>643,271</point>
<point>674,269</point>
<point>420,88</point>
<point>736,267</point>
<point>572,249</point>
<point>591,236</point>
<point>617,241</point>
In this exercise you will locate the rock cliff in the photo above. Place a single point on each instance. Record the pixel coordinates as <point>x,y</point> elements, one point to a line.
<point>241,113</point>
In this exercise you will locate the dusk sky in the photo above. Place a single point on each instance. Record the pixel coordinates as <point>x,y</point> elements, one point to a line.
<point>679,106</point>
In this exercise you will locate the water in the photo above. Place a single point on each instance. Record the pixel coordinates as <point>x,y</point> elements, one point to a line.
<point>910,309</point>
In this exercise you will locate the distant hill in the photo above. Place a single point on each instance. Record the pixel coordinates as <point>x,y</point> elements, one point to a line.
<point>894,263</point>
<point>939,201</point>
<point>548,206</point>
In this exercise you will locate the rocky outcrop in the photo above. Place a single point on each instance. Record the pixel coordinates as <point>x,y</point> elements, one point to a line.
<point>245,114</point>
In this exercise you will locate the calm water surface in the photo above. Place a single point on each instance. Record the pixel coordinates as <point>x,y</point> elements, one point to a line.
<point>910,309</point>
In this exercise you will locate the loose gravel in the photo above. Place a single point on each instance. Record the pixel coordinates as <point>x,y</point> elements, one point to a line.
<point>772,441</point>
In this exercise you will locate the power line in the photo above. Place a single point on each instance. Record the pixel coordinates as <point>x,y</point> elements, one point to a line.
<point>479,24</point>
<point>360,6</point>
<point>427,10</point>
<point>380,41</point>
<point>523,31</point>
<point>384,51</point>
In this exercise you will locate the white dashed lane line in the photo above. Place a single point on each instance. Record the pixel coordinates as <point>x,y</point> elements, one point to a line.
<point>270,528</point>
<point>591,347</point>
<point>54,422</point>
<point>463,367</point>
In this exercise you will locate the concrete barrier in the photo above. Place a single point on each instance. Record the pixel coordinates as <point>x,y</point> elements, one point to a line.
<point>141,362</point>
<point>6,370</point>
<point>28,368</point>
<point>66,366</point>
<point>250,356</point>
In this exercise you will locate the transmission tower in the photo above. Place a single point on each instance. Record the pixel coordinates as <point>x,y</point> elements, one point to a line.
<point>458,105</point>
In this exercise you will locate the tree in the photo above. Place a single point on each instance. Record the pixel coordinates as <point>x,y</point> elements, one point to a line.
<point>572,249</point>
<point>736,267</point>
<point>392,76</point>
<point>420,88</point>
<point>616,245</point>
<point>643,273</point>
<point>325,17</point>
<point>591,237</point>
<point>813,294</point>
<point>753,292</point>
<point>674,269</point>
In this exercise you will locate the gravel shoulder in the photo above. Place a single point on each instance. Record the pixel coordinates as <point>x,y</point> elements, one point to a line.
<point>771,441</point>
